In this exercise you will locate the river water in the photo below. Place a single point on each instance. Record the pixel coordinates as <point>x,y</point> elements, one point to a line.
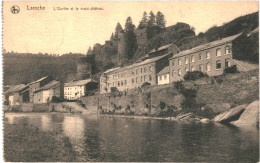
<point>104,138</point>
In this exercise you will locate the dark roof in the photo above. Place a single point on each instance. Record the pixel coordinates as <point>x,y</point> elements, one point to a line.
<point>165,70</point>
<point>206,46</point>
<point>50,85</point>
<point>78,82</point>
<point>16,88</point>
<point>141,63</point>
<point>254,31</point>
<point>162,48</point>
<point>39,80</point>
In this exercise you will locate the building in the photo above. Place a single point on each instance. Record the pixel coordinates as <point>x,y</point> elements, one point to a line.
<point>211,58</point>
<point>47,92</point>
<point>76,89</point>
<point>18,94</point>
<point>33,86</point>
<point>163,76</point>
<point>170,48</point>
<point>133,76</point>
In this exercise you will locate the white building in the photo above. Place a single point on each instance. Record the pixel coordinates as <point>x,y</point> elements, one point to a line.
<point>76,89</point>
<point>163,76</point>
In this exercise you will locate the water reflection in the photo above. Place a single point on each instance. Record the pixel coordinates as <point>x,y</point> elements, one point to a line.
<point>121,139</point>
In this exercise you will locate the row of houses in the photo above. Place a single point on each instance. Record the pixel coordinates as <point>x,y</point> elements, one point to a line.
<point>45,89</point>
<point>167,64</point>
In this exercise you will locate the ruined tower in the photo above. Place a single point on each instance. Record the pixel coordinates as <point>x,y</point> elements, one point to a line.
<point>84,68</point>
<point>121,48</point>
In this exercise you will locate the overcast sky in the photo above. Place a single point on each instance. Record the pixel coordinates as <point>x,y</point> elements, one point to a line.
<point>64,31</point>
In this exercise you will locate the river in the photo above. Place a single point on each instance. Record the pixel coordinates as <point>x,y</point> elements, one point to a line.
<point>104,138</point>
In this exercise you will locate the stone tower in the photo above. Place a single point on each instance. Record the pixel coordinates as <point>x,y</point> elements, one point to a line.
<point>121,48</point>
<point>83,69</point>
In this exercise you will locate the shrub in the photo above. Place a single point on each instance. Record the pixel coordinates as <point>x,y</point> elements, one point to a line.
<point>232,69</point>
<point>145,84</point>
<point>194,75</point>
<point>179,86</point>
<point>56,99</point>
<point>162,105</point>
<point>114,89</point>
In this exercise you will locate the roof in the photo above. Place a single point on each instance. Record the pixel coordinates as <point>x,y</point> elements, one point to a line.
<point>253,31</point>
<point>50,85</point>
<point>79,82</point>
<point>161,48</point>
<point>206,46</point>
<point>39,80</point>
<point>16,88</point>
<point>165,70</point>
<point>141,63</point>
<point>112,69</point>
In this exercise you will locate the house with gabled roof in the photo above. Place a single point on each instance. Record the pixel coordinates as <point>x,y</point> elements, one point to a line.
<point>46,93</point>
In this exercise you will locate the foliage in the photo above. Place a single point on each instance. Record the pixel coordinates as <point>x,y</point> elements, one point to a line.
<point>194,75</point>
<point>56,99</point>
<point>118,29</point>
<point>232,69</point>
<point>129,26</point>
<point>151,20</point>
<point>145,84</point>
<point>179,86</point>
<point>130,38</point>
<point>144,22</point>
<point>162,105</point>
<point>160,20</point>
<point>114,89</point>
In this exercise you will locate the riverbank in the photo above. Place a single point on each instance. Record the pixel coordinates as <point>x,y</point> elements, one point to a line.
<point>24,143</point>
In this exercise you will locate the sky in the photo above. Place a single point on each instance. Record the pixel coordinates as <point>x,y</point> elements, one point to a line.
<point>56,31</point>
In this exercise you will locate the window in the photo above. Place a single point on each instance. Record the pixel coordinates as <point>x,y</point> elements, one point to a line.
<point>200,68</point>
<point>218,64</point>
<point>192,58</point>
<point>208,55</point>
<point>173,73</point>
<point>114,76</point>
<point>136,71</point>
<point>227,63</point>
<point>144,69</point>
<point>186,60</point>
<point>208,68</point>
<point>192,68</point>
<point>144,78</point>
<point>141,70</point>
<point>186,69</point>
<point>160,77</point>
<point>165,77</point>
<point>172,62</point>
<point>141,79</point>
<point>179,61</point>
<point>150,77</point>
<point>150,68</point>
<point>122,83</point>
<point>218,52</point>
<point>136,80</point>
<point>179,72</point>
<point>227,50</point>
<point>125,82</point>
<point>200,57</point>
<point>118,83</point>
<point>133,72</point>
<point>133,80</point>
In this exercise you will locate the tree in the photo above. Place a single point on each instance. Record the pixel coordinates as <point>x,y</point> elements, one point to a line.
<point>129,26</point>
<point>151,20</point>
<point>118,29</point>
<point>143,23</point>
<point>89,51</point>
<point>130,38</point>
<point>160,20</point>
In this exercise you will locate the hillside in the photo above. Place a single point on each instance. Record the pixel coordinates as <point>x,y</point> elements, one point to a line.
<point>23,68</point>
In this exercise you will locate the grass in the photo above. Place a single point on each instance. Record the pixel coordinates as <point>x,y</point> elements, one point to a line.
<point>24,143</point>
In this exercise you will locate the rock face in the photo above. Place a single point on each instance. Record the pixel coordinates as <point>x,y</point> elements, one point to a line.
<point>250,117</point>
<point>230,115</point>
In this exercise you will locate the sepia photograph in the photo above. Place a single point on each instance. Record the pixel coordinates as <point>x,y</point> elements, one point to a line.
<point>130,81</point>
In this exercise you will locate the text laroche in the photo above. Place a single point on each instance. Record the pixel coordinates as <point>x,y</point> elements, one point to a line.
<point>35,7</point>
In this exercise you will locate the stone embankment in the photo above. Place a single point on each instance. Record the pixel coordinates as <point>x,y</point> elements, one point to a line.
<point>241,116</point>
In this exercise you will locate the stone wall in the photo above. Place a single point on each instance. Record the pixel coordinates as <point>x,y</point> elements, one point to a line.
<point>219,93</point>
